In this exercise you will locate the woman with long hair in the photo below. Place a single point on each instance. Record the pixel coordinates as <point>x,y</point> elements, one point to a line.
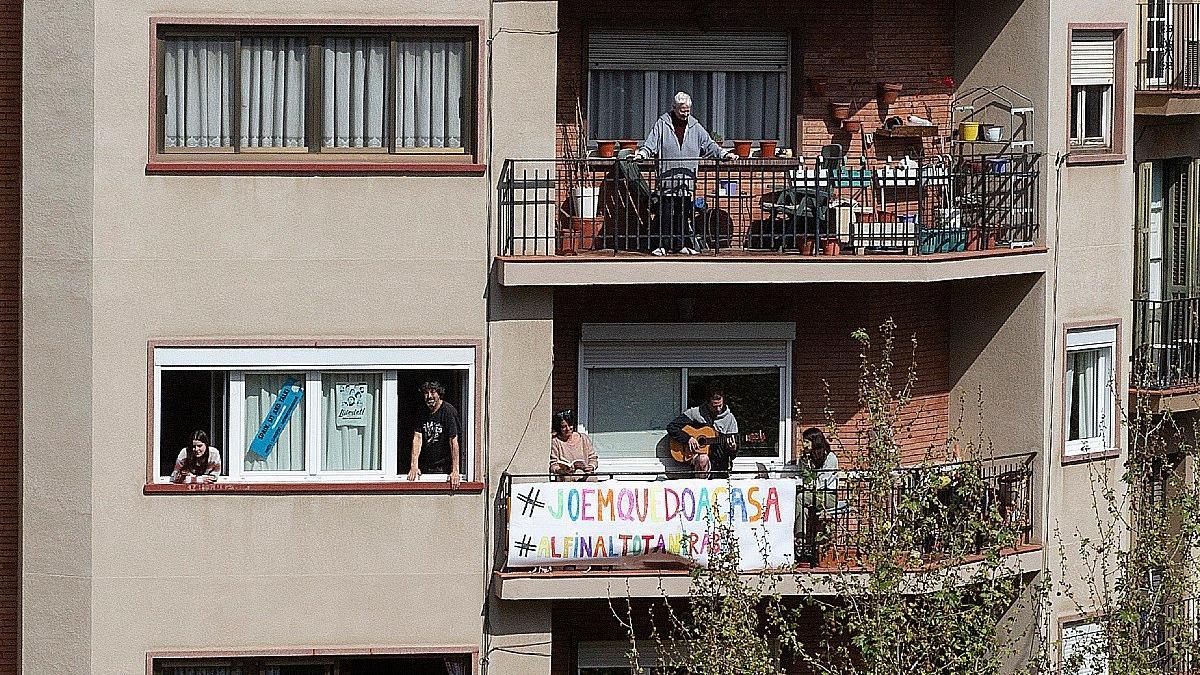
<point>572,456</point>
<point>197,463</point>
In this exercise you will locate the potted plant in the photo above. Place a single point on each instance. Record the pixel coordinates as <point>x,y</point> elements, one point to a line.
<point>579,233</point>
<point>839,110</point>
<point>606,149</point>
<point>818,85</point>
<point>766,148</point>
<point>629,144</point>
<point>851,126</point>
<point>742,148</point>
<point>830,245</point>
<point>889,92</point>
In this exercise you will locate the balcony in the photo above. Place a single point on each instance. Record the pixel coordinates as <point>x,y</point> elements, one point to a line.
<point>1168,57</point>
<point>836,527</point>
<point>1166,346</point>
<point>759,213</point>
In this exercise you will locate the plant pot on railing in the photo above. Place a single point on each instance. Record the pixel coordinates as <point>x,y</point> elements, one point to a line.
<point>851,126</point>
<point>606,149</point>
<point>839,110</point>
<point>766,149</point>
<point>889,92</point>
<point>742,148</point>
<point>579,234</point>
<point>629,145</point>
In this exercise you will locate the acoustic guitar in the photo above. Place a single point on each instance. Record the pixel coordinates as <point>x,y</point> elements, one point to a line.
<point>706,435</point>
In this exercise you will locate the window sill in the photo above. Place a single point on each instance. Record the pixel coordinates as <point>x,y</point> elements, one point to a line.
<point>287,488</point>
<point>309,167</point>
<point>1083,458</point>
<point>1082,156</point>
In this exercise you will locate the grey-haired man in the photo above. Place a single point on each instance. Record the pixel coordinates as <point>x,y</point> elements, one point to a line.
<point>679,141</point>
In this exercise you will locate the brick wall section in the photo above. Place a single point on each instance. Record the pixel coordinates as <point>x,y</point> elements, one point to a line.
<point>10,355</point>
<point>823,351</point>
<point>855,44</point>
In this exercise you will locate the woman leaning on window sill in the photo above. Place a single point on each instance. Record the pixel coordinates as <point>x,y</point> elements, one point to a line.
<point>198,463</point>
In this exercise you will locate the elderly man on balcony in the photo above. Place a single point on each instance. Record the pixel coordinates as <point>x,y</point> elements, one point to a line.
<point>679,141</point>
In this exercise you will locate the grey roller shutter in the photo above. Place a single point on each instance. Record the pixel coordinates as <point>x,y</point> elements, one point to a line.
<point>688,50</point>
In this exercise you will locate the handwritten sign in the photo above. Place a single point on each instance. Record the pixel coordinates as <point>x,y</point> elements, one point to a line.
<point>351,402</point>
<point>277,418</point>
<point>625,523</point>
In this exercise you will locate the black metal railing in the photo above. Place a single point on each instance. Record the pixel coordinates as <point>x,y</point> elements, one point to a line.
<point>1166,343</point>
<point>1168,56</point>
<point>839,518</point>
<point>1178,635</point>
<point>946,205</point>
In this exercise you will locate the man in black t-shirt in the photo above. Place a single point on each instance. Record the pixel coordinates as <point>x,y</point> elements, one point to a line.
<point>435,440</point>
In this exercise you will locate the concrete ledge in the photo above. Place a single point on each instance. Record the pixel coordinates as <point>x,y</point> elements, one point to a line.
<point>598,269</point>
<point>575,585</point>
<point>1167,103</point>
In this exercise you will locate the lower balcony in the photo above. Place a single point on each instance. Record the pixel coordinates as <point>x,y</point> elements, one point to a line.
<point>601,537</point>
<point>1166,349</point>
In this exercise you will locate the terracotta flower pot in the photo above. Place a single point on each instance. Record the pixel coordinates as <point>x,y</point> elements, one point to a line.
<point>606,148</point>
<point>981,239</point>
<point>629,145</point>
<point>766,149</point>
<point>579,234</point>
<point>742,148</point>
<point>831,246</point>
<point>889,92</point>
<point>851,126</point>
<point>818,85</point>
<point>839,110</point>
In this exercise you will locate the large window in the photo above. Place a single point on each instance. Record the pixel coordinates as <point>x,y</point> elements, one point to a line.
<point>1089,390</point>
<point>1095,74</point>
<point>1084,651</point>
<point>635,378</point>
<point>302,414</point>
<point>738,81</point>
<point>315,90</point>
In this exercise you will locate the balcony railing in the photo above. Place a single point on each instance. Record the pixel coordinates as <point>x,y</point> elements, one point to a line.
<point>957,502</point>
<point>568,207</point>
<point>1168,46</point>
<point>1166,343</point>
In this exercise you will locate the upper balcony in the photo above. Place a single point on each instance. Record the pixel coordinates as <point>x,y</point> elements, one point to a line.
<point>835,521</point>
<point>617,220</point>
<point>1168,58</point>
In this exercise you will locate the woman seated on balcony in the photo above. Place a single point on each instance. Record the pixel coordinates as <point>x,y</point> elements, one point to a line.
<point>817,495</point>
<point>572,456</point>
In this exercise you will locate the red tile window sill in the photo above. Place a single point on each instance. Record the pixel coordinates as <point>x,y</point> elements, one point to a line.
<point>380,487</point>
<point>310,168</point>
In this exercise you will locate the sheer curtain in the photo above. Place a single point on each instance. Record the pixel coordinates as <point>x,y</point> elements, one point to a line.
<point>430,80</point>
<point>274,71</point>
<point>288,453</point>
<point>1083,394</point>
<point>351,421</point>
<point>198,85</point>
<point>629,408</point>
<point>355,92</point>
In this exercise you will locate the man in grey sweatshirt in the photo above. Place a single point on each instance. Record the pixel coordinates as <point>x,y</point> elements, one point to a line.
<point>713,413</point>
<point>679,141</point>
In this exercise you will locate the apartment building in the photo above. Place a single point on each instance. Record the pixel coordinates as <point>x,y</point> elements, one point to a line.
<point>280,223</point>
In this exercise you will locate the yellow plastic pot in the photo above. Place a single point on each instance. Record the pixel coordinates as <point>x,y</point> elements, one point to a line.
<point>968,131</point>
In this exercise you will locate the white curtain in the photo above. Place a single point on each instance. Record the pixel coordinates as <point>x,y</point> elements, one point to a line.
<point>1083,394</point>
<point>629,409</point>
<point>351,444</point>
<point>430,80</point>
<point>288,453</point>
<point>355,92</point>
<point>274,72</point>
<point>198,84</point>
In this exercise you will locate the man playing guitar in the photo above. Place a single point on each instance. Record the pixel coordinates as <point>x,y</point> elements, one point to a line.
<point>715,415</point>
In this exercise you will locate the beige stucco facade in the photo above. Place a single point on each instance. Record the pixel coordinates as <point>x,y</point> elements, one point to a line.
<point>115,259</point>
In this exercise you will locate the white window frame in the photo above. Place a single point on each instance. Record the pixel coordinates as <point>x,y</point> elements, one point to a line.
<point>312,361</point>
<point>1074,634</point>
<point>715,339</point>
<point>1087,339</point>
<point>1079,93</point>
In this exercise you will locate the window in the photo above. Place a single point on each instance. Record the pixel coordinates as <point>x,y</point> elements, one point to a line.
<point>611,657</point>
<point>635,378</point>
<point>1083,649</point>
<point>316,91</point>
<point>425,664</point>
<point>1094,74</point>
<point>1089,390</point>
<point>738,81</point>
<point>307,413</point>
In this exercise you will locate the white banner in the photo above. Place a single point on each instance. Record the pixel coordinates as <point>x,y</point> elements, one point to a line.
<point>625,523</point>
